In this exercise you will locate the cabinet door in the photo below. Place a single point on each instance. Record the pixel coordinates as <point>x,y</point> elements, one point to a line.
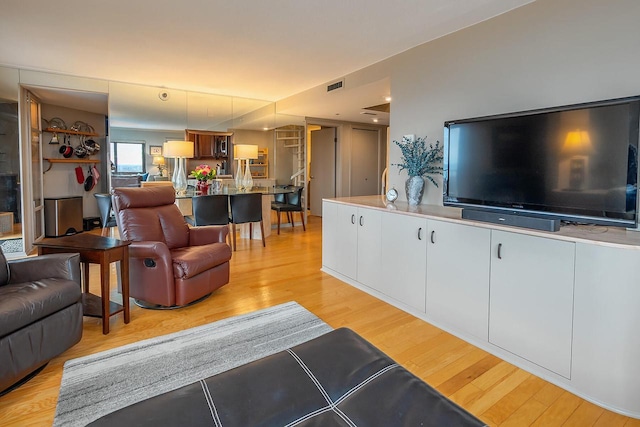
<point>606,343</point>
<point>458,276</point>
<point>369,252</point>
<point>404,257</point>
<point>330,235</point>
<point>347,241</point>
<point>204,146</point>
<point>531,298</point>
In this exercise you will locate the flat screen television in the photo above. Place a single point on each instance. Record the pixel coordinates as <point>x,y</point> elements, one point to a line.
<point>576,163</point>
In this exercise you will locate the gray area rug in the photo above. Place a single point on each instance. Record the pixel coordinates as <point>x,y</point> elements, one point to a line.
<point>98,384</point>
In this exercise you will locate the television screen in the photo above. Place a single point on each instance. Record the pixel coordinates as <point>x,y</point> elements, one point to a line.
<point>576,163</point>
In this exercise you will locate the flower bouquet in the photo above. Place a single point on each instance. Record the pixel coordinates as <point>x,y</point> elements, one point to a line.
<point>203,173</point>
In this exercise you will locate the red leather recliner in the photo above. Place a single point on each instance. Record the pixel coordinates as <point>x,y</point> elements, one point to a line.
<point>170,263</point>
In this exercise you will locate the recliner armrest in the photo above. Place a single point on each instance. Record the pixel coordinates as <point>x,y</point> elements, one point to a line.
<point>61,266</point>
<point>203,235</point>
<point>157,251</point>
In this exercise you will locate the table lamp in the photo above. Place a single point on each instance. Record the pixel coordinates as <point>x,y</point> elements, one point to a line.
<point>244,152</point>
<point>159,162</point>
<point>179,150</point>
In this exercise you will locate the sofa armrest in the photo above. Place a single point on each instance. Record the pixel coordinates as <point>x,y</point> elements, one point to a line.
<point>203,235</point>
<point>61,266</point>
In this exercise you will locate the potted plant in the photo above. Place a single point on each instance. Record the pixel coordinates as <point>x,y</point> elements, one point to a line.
<point>203,173</point>
<point>420,161</point>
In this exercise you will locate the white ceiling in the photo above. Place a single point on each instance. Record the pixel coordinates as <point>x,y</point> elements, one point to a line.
<point>258,49</point>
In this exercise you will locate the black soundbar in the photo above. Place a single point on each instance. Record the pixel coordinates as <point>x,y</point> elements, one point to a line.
<point>544,224</point>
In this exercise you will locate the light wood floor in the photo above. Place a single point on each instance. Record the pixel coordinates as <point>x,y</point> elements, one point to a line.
<point>289,269</point>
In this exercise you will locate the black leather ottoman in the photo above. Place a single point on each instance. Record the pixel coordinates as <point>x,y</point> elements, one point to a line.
<point>337,379</point>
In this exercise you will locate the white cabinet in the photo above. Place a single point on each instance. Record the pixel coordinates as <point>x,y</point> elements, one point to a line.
<point>458,277</point>
<point>606,347</point>
<point>339,238</point>
<point>351,242</point>
<point>404,255</point>
<point>531,298</point>
<point>369,266</point>
<point>330,235</point>
<point>564,306</point>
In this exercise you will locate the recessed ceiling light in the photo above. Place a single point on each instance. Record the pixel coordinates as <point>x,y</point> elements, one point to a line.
<point>387,98</point>
<point>375,120</point>
<point>265,128</point>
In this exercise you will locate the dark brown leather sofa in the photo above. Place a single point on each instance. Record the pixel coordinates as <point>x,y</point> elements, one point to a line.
<point>170,263</point>
<point>40,313</point>
<point>337,379</point>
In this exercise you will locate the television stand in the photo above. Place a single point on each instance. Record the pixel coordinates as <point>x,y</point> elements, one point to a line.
<point>525,221</point>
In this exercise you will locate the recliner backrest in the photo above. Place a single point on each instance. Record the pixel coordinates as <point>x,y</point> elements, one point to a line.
<point>150,214</point>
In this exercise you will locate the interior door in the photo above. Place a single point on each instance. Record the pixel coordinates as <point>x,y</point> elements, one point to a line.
<point>322,180</point>
<point>35,164</point>
<point>365,178</point>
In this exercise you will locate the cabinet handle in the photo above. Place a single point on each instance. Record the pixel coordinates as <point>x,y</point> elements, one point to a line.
<point>499,250</point>
<point>433,235</point>
<point>360,221</point>
<point>353,218</point>
<point>420,233</point>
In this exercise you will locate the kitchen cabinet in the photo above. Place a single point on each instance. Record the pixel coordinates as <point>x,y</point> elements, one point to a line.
<point>531,298</point>
<point>458,266</point>
<point>404,254</point>
<point>209,144</point>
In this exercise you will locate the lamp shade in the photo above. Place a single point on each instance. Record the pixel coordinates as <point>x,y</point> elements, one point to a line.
<point>245,151</point>
<point>178,149</point>
<point>158,161</point>
<point>577,142</point>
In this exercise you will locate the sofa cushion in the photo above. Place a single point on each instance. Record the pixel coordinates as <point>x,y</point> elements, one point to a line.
<point>193,260</point>
<point>24,303</point>
<point>4,269</point>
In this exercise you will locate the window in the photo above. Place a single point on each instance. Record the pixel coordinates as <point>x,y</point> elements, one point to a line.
<point>128,157</point>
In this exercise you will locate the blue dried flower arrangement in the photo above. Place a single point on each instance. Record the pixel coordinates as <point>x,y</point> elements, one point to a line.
<point>419,160</point>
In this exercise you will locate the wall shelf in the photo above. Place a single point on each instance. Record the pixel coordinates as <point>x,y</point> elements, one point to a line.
<point>69,132</point>
<point>76,161</point>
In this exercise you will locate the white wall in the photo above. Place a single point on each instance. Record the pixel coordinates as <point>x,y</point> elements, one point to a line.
<point>544,54</point>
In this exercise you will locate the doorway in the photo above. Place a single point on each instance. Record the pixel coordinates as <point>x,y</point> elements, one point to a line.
<point>365,164</point>
<point>10,200</point>
<point>322,177</point>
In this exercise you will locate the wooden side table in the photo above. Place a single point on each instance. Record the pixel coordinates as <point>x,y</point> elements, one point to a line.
<point>97,250</point>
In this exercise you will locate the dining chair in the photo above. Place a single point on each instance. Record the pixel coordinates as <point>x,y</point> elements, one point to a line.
<point>246,208</point>
<point>292,203</point>
<point>210,209</point>
<point>107,219</point>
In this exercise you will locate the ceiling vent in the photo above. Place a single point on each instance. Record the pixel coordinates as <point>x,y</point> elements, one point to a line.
<point>335,86</point>
<point>368,113</point>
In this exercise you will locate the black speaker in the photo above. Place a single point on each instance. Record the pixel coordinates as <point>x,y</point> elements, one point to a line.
<point>544,224</point>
